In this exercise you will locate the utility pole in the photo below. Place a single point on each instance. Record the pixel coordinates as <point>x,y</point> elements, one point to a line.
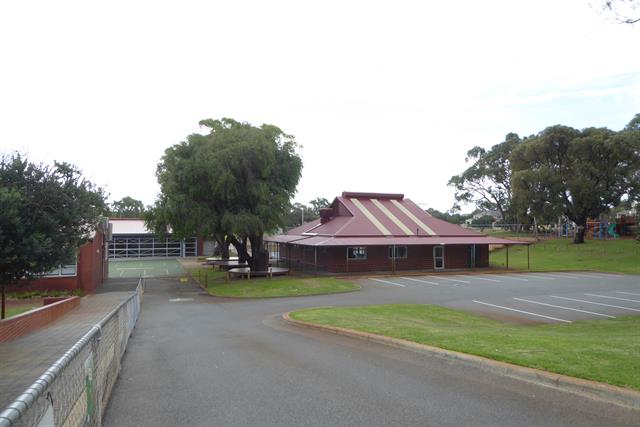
<point>301,215</point>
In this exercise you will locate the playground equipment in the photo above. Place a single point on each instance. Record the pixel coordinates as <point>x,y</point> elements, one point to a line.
<point>567,230</point>
<point>602,229</point>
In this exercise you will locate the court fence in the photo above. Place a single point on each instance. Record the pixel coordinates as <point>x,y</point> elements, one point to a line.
<point>75,390</point>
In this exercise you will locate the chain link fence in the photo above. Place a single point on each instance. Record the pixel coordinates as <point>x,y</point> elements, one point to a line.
<point>75,390</point>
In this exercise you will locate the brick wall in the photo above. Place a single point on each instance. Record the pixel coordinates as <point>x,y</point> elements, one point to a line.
<point>334,259</point>
<point>24,323</point>
<point>92,270</point>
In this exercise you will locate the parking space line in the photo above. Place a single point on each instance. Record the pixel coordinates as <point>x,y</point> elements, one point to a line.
<point>564,308</point>
<point>621,299</point>
<point>481,278</point>
<point>421,281</point>
<point>390,283</point>
<point>522,311</point>
<point>596,303</point>
<point>451,280</point>
<point>565,275</point>
<point>535,276</point>
<point>515,278</point>
<point>627,293</point>
<point>605,275</point>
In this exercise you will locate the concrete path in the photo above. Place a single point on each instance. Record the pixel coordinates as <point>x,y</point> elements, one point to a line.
<point>204,361</point>
<point>24,359</point>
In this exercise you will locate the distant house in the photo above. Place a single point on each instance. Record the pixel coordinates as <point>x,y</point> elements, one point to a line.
<point>363,232</point>
<point>130,238</point>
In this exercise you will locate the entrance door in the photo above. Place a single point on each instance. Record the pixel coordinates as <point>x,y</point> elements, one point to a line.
<point>438,257</point>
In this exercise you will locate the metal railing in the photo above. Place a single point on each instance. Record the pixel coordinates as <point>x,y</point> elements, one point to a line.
<point>75,390</point>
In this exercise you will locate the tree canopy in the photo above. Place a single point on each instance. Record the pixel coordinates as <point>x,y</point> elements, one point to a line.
<point>232,184</point>
<point>559,172</point>
<point>624,11</point>
<point>127,207</point>
<point>299,212</point>
<point>487,182</point>
<point>47,212</point>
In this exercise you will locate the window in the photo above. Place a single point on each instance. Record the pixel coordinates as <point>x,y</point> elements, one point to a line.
<point>401,252</point>
<point>438,257</point>
<point>62,270</point>
<point>358,252</point>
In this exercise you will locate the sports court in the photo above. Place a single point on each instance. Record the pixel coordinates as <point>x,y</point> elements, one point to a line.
<point>550,297</point>
<point>144,268</point>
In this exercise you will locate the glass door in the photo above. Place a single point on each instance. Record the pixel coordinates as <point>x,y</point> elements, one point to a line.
<point>438,257</point>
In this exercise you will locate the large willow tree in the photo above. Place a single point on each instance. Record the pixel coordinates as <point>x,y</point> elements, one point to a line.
<point>233,184</point>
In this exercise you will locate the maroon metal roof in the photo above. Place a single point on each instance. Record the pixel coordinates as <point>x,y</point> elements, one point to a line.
<point>381,219</point>
<point>403,241</point>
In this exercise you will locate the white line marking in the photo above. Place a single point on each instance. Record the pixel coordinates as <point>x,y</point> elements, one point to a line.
<point>421,281</point>
<point>565,308</point>
<point>121,273</point>
<point>522,311</point>
<point>451,280</point>
<point>535,276</point>
<point>550,275</point>
<point>390,283</point>
<point>481,278</point>
<point>628,293</point>
<point>515,278</point>
<point>596,303</point>
<point>621,299</point>
<point>564,275</point>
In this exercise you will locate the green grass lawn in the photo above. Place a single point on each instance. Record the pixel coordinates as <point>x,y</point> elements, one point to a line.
<point>216,284</point>
<point>15,310</point>
<point>621,256</point>
<point>600,350</point>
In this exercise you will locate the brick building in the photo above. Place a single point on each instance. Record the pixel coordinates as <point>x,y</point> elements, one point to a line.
<point>363,232</point>
<point>88,272</point>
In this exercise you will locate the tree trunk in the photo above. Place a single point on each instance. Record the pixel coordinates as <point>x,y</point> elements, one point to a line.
<point>224,250</point>
<point>579,236</point>
<point>259,255</point>
<point>241,248</point>
<point>3,303</point>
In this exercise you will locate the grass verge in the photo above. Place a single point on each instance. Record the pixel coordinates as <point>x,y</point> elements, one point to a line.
<point>600,350</point>
<point>617,256</point>
<point>216,284</point>
<point>19,309</point>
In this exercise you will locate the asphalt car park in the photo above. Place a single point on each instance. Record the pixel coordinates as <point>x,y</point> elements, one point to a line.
<point>550,297</point>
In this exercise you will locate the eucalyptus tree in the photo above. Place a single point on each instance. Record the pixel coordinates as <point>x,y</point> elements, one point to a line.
<point>578,174</point>
<point>487,181</point>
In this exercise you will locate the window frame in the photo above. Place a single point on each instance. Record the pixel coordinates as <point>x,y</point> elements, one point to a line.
<point>390,252</point>
<point>363,248</point>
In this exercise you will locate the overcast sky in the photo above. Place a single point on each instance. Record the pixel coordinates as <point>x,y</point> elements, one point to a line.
<point>384,96</point>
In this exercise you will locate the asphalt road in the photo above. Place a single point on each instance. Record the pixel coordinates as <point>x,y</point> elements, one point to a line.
<point>205,361</point>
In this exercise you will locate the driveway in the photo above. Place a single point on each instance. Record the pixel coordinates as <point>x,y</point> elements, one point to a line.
<point>205,361</point>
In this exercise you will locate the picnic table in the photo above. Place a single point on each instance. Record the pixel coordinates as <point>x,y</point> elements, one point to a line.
<point>246,272</point>
<point>226,264</point>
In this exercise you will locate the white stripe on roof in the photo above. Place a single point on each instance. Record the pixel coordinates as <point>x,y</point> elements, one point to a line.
<point>392,217</point>
<point>413,217</point>
<point>371,218</point>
